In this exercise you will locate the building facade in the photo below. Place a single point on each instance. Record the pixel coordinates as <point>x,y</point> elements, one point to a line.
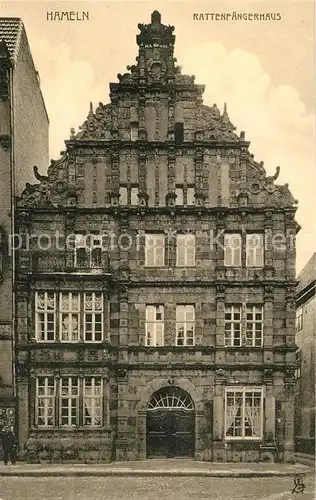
<point>155,314</point>
<point>305,340</point>
<point>23,143</point>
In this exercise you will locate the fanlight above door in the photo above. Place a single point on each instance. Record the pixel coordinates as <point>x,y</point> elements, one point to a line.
<point>170,397</point>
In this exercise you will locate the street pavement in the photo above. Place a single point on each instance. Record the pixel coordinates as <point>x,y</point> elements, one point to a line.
<point>153,488</point>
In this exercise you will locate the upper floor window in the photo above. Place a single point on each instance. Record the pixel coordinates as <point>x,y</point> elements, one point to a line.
<point>134,131</point>
<point>79,401</point>
<point>154,250</point>
<point>179,132</point>
<point>179,193</point>
<point>299,319</point>
<point>73,317</point>
<point>45,316</point>
<point>232,250</point>
<point>190,195</point>
<point>154,325</point>
<point>185,325</point>
<point>123,195</point>
<point>185,250</point>
<point>88,251</point>
<point>243,412</point>
<point>134,195</point>
<point>243,325</point>
<point>254,250</point>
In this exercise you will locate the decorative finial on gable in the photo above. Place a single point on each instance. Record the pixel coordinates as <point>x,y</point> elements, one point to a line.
<point>225,114</point>
<point>156,17</point>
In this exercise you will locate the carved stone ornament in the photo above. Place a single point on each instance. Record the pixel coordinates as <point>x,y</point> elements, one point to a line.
<point>220,372</point>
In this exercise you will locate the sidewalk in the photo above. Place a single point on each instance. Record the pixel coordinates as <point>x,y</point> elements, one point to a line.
<point>156,468</point>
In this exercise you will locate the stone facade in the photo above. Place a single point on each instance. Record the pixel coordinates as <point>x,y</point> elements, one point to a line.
<point>305,340</point>
<point>23,143</point>
<point>155,161</point>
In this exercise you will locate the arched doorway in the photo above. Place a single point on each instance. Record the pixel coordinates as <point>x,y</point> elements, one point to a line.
<point>170,424</point>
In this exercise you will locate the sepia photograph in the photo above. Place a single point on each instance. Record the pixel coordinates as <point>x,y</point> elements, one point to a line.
<point>157,250</point>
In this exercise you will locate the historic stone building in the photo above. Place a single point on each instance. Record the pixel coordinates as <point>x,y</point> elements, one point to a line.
<point>305,339</point>
<point>23,143</point>
<point>156,296</point>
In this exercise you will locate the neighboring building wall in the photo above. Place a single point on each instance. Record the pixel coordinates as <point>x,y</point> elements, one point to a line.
<point>305,394</point>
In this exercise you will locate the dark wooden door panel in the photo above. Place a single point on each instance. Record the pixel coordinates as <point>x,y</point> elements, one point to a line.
<point>170,433</point>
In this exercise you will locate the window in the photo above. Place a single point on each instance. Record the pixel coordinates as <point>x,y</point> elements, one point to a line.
<point>233,326</point>
<point>232,250</point>
<point>69,401</point>
<point>45,402</point>
<point>254,326</point>
<point>92,401</point>
<point>69,317</point>
<point>88,251</point>
<point>244,325</point>
<point>93,317</point>
<point>154,250</point>
<point>185,250</point>
<point>254,250</point>
<point>154,325</point>
<point>190,196</point>
<point>298,362</point>
<point>80,401</point>
<point>179,193</point>
<point>299,319</point>
<point>179,132</point>
<point>45,316</point>
<point>185,325</point>
<point>243,413</point>
<point>73,317</point>
<point>134,195</point>
<point>134,132</point>
<point>123,195</point>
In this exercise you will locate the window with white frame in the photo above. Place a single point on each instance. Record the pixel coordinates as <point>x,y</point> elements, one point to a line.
<point>92,401</point>
<point>123,195</point>
<point>190,196</point>
<point>154,325</point>
<point>185,250</point>
<point>179,193</point>
<point>254,326</point>
<point>243,325</point>
<point>299,319</point>
<point>254,250</point>
<point>134,195</point>
<point>93,317</point>
<point>134,132</point>
<point>154,250</point>
<point>243,412</point>
<point>69,307</point>
<point>185,325</point>
<point>45,316</point>
<point>233,325</point>
<point>45,402</point>
<point>69,401</point>
<point>232,250</point>
<point>71,318</point>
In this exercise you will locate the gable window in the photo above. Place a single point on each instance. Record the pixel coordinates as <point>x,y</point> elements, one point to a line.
<point>45,316</point>
<point>185,250</point>
<point>243,412</point>
<point>254,250</point>
<point>190,196</point>
<point>299,319</point>
<point>154,325</point>
<point>134,195</point>
<point>45,402</point>
<point>185,325</point>
<point>80,250</point>
<point>88,251</point>
<point>69,401</point>
<point>123,195</point>
<point>232,250</point>
<point>92,401</point>
<point>179,193</point>
<point>93,317</point>
<point>69,317</point>
<point>154,250</point>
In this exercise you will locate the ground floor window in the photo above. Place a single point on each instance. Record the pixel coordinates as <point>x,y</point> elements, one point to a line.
<point>243,412</point>
<point>68,401</point>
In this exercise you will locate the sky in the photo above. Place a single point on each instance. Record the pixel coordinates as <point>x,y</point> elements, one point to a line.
<point>263,70</point>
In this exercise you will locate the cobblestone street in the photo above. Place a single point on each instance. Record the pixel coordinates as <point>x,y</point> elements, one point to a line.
<point>136,488</point>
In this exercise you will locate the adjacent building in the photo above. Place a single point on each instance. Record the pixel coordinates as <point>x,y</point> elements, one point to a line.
<point>305,340</point>
<point>23,144</point>
<point>156,296</point>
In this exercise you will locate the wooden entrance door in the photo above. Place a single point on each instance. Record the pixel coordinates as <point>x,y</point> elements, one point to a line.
<point>170,425</point>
